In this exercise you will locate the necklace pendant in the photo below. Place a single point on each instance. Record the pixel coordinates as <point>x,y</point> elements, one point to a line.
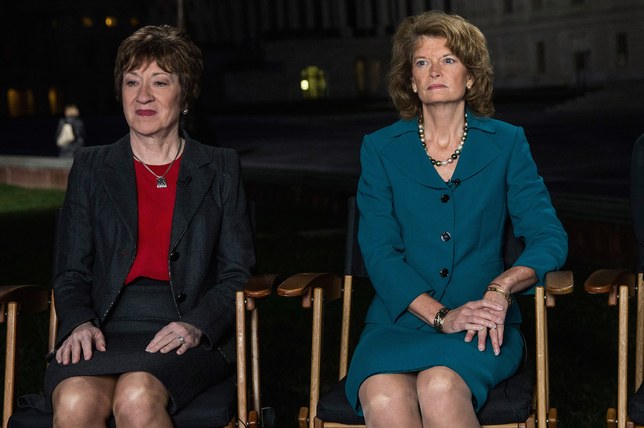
<point>161,183</point>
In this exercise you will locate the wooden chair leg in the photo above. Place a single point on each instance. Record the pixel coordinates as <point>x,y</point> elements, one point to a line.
<point>10,362</point>
<point>622,358</point>
<point>254,359</point>
<point>611,418</point>
<point>542,393</point>
<point>303,418</point>
<point>242,405</point>
<point>53,323</point>
<point>639,333</point>
<point>346,323</point>
<point>316,354</point>
<point>253,419</point>
<point>553,419</point>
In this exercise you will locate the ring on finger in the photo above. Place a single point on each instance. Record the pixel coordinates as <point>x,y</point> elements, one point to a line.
<point>181,340</point>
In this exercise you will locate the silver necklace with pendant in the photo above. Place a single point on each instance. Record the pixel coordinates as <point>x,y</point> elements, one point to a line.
<point>161,181</point>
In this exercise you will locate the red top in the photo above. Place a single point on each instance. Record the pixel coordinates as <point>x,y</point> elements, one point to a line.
<point>156,206</point>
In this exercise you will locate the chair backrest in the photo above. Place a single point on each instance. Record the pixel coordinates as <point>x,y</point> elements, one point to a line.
<point>637,197</point>
<point>53,318</point>
<point>637,212</point>
<point>353,262</point>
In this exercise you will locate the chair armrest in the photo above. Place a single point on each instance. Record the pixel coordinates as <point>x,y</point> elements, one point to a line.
<point>31,299</point>
<point>302,285</point>
<point>559,282</point>
<point>602,281</point>
<point>259,286</point>
<point>608,281</point>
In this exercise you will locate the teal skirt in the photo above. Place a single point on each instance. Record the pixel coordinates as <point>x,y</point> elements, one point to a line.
<point>391,348</point>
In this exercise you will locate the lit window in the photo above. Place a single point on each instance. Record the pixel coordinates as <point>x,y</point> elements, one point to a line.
<point>87,22</point>
<point>13,102</point>
<point>20,102</point>
<point>110,21</point>
<point>313,82</point>
<point>52,97</point>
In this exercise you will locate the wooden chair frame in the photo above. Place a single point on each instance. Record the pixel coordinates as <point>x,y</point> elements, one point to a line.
<point>20,300</point>
<point>316,289</point>
<point>620,285</point>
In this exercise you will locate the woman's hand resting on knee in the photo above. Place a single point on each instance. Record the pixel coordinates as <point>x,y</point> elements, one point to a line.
<point>176,335</point>
<point>81,342</point>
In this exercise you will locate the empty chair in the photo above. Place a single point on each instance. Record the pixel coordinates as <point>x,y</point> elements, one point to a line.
<point>620,285</point>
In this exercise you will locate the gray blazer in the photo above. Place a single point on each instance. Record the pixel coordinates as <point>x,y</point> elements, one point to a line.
<point>211,247</point>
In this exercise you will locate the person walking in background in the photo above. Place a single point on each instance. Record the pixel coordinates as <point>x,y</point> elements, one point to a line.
<point>70,134</point>
<point>435,193</point>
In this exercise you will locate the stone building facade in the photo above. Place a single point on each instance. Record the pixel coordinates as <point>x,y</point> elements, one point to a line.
<point>57,51</point>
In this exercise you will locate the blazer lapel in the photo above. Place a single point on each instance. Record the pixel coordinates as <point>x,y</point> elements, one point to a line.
<point>119,180</point>
<point>479,150</point>
<point>196,175</point>
<point>406,152</point>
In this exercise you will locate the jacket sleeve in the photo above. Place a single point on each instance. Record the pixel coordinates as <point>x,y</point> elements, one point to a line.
<point>74,253</point>
<point>396,283</point>
<point>533,216</point>
<point>234,258</point>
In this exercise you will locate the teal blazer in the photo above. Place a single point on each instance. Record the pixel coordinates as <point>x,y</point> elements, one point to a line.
<point>419,234</point>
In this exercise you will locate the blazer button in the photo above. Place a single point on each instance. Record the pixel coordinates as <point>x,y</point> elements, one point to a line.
<point>444,198</point>
<point>174,256</point>
<point>443,272</point>
<point>181,297</point>
<point>445,236</point>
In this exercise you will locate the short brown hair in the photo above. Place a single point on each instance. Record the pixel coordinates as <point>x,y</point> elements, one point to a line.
<point>173,51</point>
<point>465,41</point>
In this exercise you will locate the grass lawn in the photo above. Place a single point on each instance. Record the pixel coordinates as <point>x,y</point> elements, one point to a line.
<point>309,236</point>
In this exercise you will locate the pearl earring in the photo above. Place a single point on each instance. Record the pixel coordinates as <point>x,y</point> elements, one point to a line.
<point>185,111</point>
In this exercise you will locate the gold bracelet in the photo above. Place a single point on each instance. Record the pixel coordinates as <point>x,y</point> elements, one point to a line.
<point>440,317</point>
<point>493,287</point>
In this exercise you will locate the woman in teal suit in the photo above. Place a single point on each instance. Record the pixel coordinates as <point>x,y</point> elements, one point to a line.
<point>436,190</point>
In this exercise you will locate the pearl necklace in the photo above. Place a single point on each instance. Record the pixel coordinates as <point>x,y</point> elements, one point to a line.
<point>457,152</point>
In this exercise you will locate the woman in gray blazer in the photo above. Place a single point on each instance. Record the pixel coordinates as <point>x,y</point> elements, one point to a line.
<point>154,242</point>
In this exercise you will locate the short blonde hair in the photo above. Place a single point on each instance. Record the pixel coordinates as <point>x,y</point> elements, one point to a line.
<point>464,39</point>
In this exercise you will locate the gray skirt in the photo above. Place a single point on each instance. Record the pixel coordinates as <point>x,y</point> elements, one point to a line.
<point>143,308</point>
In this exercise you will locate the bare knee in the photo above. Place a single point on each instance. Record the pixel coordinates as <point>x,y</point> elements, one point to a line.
<point>439,385</point>
<point>439,382</point>
<point>139,398</point>
<point>445,399</point>
<point>389,398</point>
<point>82,401</point>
